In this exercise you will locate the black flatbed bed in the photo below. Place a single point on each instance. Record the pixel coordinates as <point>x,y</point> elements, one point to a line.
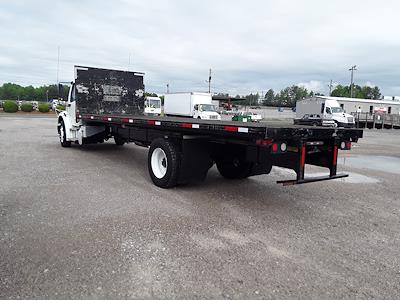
<point>267,129</point>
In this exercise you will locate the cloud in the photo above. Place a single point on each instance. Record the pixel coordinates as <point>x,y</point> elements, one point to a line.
<point>250,46</point>
<point>314,85</point>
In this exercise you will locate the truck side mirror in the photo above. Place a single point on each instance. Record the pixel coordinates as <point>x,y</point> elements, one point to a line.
<point>196,107</point>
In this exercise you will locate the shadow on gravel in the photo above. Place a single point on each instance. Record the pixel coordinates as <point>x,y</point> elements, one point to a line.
<point>254,193</point>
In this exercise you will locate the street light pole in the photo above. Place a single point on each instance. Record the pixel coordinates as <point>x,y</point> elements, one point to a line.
<point>352,69</point>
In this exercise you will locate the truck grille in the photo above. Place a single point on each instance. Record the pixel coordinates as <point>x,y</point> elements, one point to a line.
<point>350,119</point>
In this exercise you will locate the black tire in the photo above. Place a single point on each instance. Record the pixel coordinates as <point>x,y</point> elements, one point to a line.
<point>171,161</point>
<point>119,141</point>
<point>63,138</point>
<point>234,168</point>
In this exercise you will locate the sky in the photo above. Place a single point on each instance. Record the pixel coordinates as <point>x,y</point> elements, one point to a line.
<point>251,46</point>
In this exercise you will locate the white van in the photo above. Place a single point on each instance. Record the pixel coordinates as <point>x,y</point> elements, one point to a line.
<point>325,108</point>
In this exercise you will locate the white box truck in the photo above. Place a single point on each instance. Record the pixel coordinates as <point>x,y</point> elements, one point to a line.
<point>326,109</point>
<point>194,105</point>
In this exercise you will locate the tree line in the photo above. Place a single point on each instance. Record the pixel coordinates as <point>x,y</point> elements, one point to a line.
<point>12,91</point>
<point>287,97</point>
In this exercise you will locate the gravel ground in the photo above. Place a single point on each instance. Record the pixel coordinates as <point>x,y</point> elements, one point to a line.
<point>87,223</point>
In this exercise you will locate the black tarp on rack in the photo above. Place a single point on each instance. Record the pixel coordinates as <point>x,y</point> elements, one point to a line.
<point>104,91</point>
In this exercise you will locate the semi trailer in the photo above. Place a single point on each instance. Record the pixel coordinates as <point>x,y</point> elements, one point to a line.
<point>108,104</point>
<point>325,109</point>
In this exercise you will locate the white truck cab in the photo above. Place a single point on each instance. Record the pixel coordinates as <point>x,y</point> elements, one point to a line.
<point>152,106</point>
<point>333,111</point>
<point>205,112</point>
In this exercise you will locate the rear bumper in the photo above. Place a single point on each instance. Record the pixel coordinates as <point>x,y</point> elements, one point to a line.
<point>309,152</point>
<point>311,179</point>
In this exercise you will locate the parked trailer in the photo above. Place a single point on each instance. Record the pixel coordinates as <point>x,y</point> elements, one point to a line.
<point>182,150</point>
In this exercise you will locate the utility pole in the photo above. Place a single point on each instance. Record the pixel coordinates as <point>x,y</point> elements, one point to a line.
<point>330,88</point>
<point>167,88</point>
<point>352,69</point>
<point>209,81</point>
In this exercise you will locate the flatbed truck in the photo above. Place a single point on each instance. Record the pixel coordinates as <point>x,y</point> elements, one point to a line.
<point>182,150</point>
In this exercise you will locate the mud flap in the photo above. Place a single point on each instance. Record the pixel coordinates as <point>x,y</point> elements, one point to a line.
<point>195,160</point>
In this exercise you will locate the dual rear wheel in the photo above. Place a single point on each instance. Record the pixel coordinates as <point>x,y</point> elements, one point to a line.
<point>234,167</point>
<point>164,164</point>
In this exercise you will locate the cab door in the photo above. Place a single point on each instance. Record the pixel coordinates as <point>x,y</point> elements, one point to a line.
<point>71,105</point>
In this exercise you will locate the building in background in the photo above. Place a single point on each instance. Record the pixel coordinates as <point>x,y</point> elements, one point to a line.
<point>353,105</point>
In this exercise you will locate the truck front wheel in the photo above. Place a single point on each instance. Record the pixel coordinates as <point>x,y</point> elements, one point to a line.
<point>63,136</point>
<point>163,163</point>
<point>234,168</point>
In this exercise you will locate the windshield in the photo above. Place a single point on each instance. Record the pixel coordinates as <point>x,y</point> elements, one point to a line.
<point>336,110</point>
<point>153,103</point>
<point>207,107</point>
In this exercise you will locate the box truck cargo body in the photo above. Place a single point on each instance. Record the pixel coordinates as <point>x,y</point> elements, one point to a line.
<point>195,105</point>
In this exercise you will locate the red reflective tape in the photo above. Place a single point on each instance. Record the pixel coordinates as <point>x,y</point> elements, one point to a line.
<point>274,147</point>
<point>303,157</point>
<point>150,122</point>
<point>105,119</point>
<point>186,125</point>
<point>230,129</point>
<point>335,152</point>
<point>125,120</point>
